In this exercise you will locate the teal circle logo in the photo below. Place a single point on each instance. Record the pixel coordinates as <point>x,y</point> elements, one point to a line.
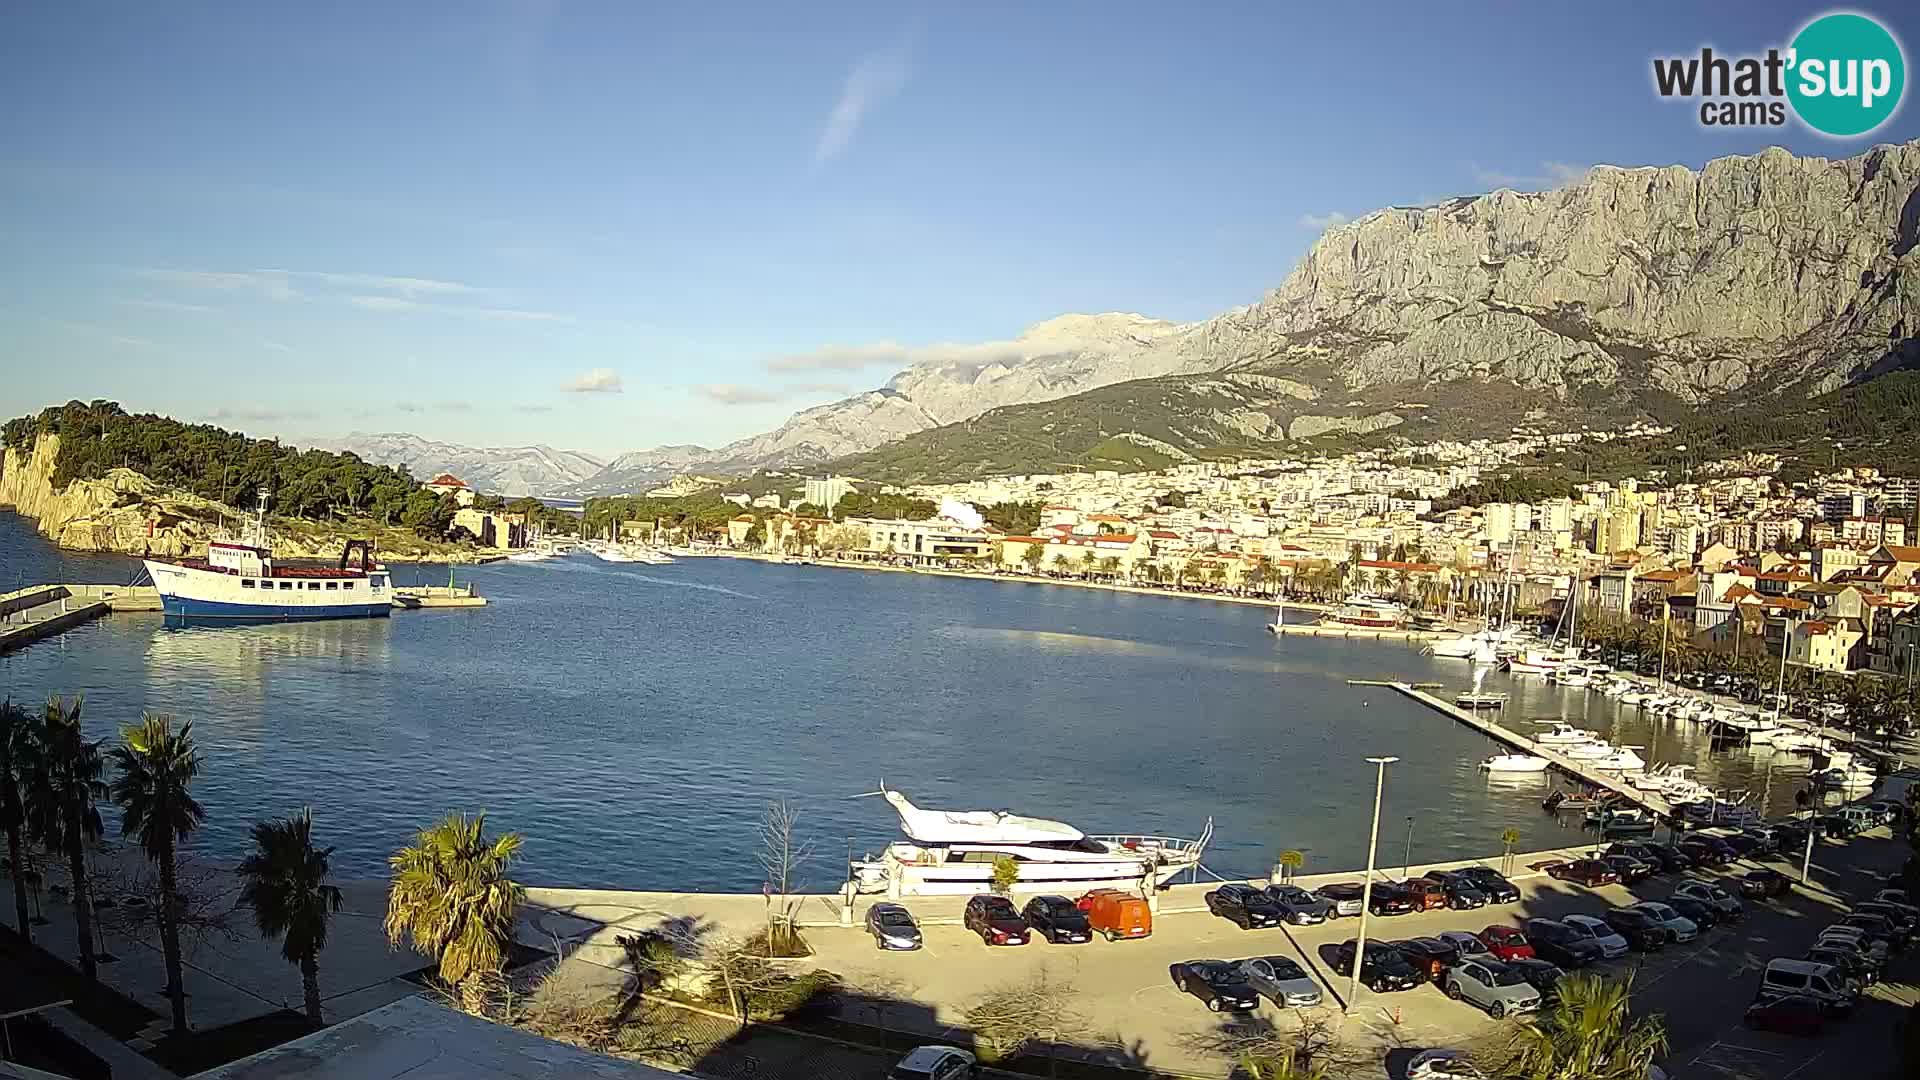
<point>1847,75</point>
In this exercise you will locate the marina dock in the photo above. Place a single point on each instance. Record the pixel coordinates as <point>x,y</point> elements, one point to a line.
<point>1365,633</point>
<point>415,597</point>
<point>39,611</point>
<point>1561,762</point>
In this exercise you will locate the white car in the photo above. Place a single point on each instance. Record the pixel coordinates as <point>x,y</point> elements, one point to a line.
<point>1612,945</point>
<point>1681,927</point>
<point>935,1063</point>
<point>1442,1065</point>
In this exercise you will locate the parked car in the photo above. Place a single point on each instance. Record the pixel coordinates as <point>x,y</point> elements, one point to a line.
<point>1114,914</point>
<point>935,1063</point>
<point>1895,896</point>
<point>1679,927</point>
<point>1862,817</point>
<point>892,927</point>
<point>1836,827</point>
<point>1789,1015</point>
<point>1442,1064</point>
<point>1217,983</point>
<point>1856,939</point>
<point>1498,889</point>
<point>1562,944</point>
<point>1389,899</point>
<point>1463,943</point>
<point>1719,845</point>
<point>1612,943</point>
<point>1298,906</point>
<point>1491,985</point>
<point>1281,981</point>
<point>1636,849</point>
<point>1431,955</point>
<point>1427,894</point>
<point>1851,963</point>
<point>1765,884</point>
<point>1764,836</point>
<point>1588,872</point>
<point>1804,978</point>
<point>1382,970</point>
<point>1057,919</point>
<point>1904,919</point>
<point>1506,942</point>
<point>1701,852</point>
<point>1705,916</point>
<point>1669,857</point>
<point>1463,893</point>
<point>1345,898</point>
<point>1744,846</point>
<point>1877,928</point>
<point>995,920</point>
<point>1792,838</point>
<point>1643,932</point>
<point>1244,906</point>
<point>1540,974</point>
<point>1727,904</point>
<point>1628,868</point>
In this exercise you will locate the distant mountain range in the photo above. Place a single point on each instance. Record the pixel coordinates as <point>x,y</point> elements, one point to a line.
<point>1630,292</point>
<point>503,470</point>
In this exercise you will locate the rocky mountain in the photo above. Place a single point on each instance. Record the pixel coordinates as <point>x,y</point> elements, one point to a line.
<point>1062,356</point>
<point>1630,289</point>
<point>511,471</point>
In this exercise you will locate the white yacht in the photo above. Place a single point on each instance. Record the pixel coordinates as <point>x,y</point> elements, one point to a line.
<point>1588,751</point>
<point>1366,612</point>
<point>1515,763</point>
<point>1622,760</point>
<point>607,552</point>
<point>952,852</point>
<point>1563,734</point>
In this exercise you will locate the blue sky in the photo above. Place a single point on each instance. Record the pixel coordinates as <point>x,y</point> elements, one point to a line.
<point>602,226</point>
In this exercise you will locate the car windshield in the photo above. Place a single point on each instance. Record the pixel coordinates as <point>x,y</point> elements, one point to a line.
<point>1293,895</point>
<point>897,918</point>
<point>1215,974</point>
<point>1504,976</point>
<point>1000,909</point>
<point>1284,968</point>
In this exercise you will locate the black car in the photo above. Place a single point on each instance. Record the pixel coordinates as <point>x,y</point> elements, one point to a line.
<point>1744,846</point>
<point>1384,968</point>
<point>1763,835</point>
<point>1629,868</point>
<point>1642,931</point>
<point>1345,898</point>
<point>1245,906</point>
<point>1792,839</point>
<point>1764,884</point>
<point>1216,982</point>
<point>1904,919</point>
<point>1542,975</point>
<point>1298,906</point>
<point>1490,881</point>
<point>1836,827</point>
<point>1463,892</point>
<point>1668,857</point>
<point>1430,955</point>
<point>1058,920</point>
<point>1701,852</point>
<point>1392,900</point>
<point>1851,964</point>
<point>1705,916</point>
<point>1561,944</point>
<point>995,920</point>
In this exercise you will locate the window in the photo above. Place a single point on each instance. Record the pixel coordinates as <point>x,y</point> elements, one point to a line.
<point>313,586</point>
<point>349,584</point>
<point>379,581</point>
<point>333,585</point>
<point>246,583</point>
<point>286,585</point>
<point>1792,980</point>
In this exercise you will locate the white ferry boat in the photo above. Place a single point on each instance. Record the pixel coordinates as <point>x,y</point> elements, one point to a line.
<point>239,580</point>
<point>952,852</point>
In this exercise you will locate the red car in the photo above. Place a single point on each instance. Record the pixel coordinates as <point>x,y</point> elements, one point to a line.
<point>1788,1015</point>
<point>1588,872</point>
<point>1507,943</point>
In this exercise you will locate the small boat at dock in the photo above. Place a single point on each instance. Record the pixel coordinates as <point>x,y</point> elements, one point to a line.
<point>1477,700</point>
<point>1515,763</point>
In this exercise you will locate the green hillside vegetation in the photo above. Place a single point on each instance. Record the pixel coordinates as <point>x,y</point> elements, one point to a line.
<point>228,467</point>
<point>704,512</point>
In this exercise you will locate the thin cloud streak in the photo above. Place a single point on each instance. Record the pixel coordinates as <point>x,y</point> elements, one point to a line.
<point>877,77</point>
<point>170,305</point>
<point>597,381</point>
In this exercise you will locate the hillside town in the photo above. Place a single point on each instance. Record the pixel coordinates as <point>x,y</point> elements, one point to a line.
<point>1828,567</point>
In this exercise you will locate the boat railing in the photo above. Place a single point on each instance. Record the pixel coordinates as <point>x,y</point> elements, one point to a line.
<point>1175,846</point>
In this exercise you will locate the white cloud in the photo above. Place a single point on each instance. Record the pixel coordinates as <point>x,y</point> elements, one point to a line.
<point>1552,174</point>
<point>276,346</point>
<point>383,303</point>
<point>268,283</point>
<point>877,77</point>
<point>736,394</point>
<point>405,286</point>
<point>1323,221</point>
<point>370,292</point>
<point>170,305</point>
<point>598,381</point>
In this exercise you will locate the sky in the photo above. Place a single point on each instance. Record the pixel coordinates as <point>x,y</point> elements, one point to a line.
<point>609,226</point>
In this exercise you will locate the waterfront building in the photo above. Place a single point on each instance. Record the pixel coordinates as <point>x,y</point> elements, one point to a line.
<point>449,484</point>
<point>826,494</point>
<point>494,529</point>
<point>925,541</point>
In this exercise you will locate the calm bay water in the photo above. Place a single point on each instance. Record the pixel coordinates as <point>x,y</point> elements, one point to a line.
<point>633,721</point>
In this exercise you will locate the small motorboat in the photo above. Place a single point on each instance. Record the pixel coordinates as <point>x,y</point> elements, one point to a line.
<point>1587,751</point>
<point>1622,760</point>
<point>1563,734</point>
<point>1477,700</point>
<point>1515,763</point>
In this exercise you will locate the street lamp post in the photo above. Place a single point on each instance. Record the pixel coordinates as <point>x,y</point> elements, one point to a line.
<point>1366,888</point>
<point>1406,868</point>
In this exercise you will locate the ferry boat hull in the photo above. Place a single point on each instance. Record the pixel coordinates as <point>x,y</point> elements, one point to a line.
<point>188,592</point>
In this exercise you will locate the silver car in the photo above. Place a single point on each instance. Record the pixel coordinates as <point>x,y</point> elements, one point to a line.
<point>892,927</point>
<point>1281,981</point>
<point>1612,945</point>
<point>1681,927</point>
<point>1491,985</point>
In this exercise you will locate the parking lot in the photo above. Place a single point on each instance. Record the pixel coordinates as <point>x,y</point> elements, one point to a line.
<point>1702,988</point>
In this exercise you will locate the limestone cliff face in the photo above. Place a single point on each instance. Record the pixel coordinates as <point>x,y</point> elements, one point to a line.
<point>1772,267</point>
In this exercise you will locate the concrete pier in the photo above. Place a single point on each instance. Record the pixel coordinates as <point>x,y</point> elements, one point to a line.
<point>413,598</point>
<point>1366,633</point>
<point>39,611</point>
<point>1570,766</point>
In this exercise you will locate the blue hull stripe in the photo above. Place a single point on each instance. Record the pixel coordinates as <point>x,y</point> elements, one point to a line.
<point>209,609</point>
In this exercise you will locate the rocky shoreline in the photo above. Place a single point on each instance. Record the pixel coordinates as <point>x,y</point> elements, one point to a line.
<point>125,513</point>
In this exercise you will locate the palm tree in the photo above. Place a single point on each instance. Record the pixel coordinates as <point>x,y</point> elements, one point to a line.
<point>284,881</point>
<point>1508,838</point>
<point>1110,566</point>
<point>451,898</point>
<point>1590,1034</point>
<point>19,744</point>
<point>156,766</point>
<point>1291,860</point>
<point>63,812</point>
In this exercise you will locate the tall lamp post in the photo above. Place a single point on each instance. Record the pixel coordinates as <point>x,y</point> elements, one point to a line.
<point>1406,869</point>
<point>1366,888</point>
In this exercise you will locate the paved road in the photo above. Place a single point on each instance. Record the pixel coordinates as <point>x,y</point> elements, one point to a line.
<point>1702,988</point>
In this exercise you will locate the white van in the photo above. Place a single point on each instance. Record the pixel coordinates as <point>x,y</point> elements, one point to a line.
<point>1822,982</point>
